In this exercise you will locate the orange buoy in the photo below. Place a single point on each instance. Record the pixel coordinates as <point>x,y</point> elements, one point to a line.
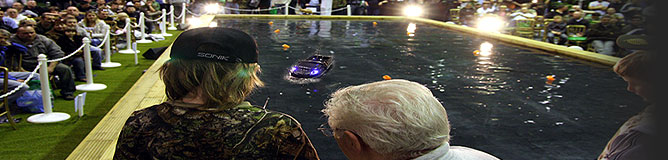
<point>271,23</point>
<point>285,46</point>
<point>387,77</point>
<point>277,31</point>
<point>550,79</point>
<point>476,52</point>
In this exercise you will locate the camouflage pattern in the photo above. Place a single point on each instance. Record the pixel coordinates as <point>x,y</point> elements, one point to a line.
<point>174,130</point>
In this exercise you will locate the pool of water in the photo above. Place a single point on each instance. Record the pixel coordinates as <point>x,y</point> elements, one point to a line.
<point>498,103</point>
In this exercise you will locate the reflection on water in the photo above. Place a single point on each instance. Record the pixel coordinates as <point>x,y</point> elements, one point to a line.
<point>497,101</point>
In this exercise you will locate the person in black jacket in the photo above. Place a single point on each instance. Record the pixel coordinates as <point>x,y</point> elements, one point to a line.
<point>604,35</point>
<point>557,28</point>
<point>70,43</point>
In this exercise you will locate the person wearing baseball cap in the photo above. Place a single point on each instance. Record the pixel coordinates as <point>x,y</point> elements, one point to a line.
<point>207,79</point>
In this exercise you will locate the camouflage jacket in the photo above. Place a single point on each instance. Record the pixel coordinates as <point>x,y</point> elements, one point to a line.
<point>174,130</point>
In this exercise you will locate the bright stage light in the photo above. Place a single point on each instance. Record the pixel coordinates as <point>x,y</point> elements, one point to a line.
<point>486,49</point>
<point>413,11</point>
<point>491,24</point>
<point>213,24</point>
<point>212,8</point>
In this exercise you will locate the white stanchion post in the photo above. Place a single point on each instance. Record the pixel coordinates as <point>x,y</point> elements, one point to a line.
<point>163,26</point>
<point>142,28</point>
<point>89,86</point>
<point>107,52</point>
<point>350,11</point>
<point>287,11</point>
<point>171,18</point>
<point>128,38</point>
<point>183,13</point>
<point>48,116</point>
<point>136,59</point>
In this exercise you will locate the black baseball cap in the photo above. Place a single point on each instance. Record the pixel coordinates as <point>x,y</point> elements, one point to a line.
<point>215,44</point>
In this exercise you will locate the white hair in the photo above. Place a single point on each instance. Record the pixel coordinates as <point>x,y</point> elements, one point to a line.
<point>396,117</point>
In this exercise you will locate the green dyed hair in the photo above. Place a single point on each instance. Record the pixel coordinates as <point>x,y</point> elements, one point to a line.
<point>220,84</point>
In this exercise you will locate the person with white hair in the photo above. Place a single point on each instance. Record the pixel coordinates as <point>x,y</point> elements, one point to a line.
<point>392,120</point>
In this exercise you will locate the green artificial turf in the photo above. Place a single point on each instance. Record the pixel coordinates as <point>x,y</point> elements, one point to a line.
<point>57,140</point>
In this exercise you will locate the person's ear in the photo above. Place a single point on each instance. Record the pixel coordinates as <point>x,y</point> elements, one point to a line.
<point>352,141</point>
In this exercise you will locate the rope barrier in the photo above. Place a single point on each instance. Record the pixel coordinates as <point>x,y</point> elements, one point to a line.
<point>252,10</point>
<point>336,10</point>
<point>194,14</point>
<point>106,38</point>
<point>68,56</point>
<point>23,83</point>
<point>153,20</point>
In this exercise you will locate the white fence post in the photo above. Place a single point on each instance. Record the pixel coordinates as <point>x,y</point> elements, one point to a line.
<point>89,86</point>
<point>183,13</point>
<point>107,52</point>
<point>48,116</point>
<point>142,28</point>
<point>128,38</point>
<point>350,12</point>
<point>171,18</point>
<point>287,10</point>
<point>163,25</point>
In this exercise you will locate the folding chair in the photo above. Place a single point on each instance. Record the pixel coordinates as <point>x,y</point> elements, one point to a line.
<point>5,102</point>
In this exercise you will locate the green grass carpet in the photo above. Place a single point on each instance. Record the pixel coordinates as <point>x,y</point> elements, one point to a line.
<point>57,140</point>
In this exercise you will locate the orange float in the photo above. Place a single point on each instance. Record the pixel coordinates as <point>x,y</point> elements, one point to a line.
<point>271,23</point>
<point>387,77</point>
<point>277,31</point>
<point>375,23</point>
<point>476,52</point>
<point>285,47</point>
<point>550,79</point>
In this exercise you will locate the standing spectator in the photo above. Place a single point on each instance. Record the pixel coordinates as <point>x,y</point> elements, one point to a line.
<point>599,6</point>
<point>633,139</point>
<point>485,9</point>
<point>14,15</point>
<point>46,23</point>
<point>20,8</point>
<point>557,28</point>
<point>206,82</point>
<point>392,119</point>
<point>7,23</point>
<point>74,11</point>
<point>603,35</point>
<point>32,6</point>
<point>38,44</point>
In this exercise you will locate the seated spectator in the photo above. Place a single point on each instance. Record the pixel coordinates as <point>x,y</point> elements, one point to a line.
<point>19,7</point>
<point>101,4</point>
<point>85,6</point>
<point>54,10</point>
<point>95,26</point>
<point>616,16</point>
<point>485,9</point>
<point>14,15</point>
<point>116,8</point>
<point>636,26</point>
<point>70,43</point>
<point>633,139</point>
<point>57,31</point>
<point>7,23</point>
<point>132,12</point>
<point>46,23</point>
<point>27,22</point>
<point>74,11</point>
<point>31,5</point>
<point>599,6</point>
<point>593,18</point>
<point>72,22</point>
<point>17,74</point>
<point>392,120</point>
<point>557,28</point>
<point>104,15</point>
<point>524,13</point>
<point>561,10</point>
<point>603,35</point>
<point>38,44</point>
<point>206,106</point>
<point>467,15</point>
<point>578,19</point>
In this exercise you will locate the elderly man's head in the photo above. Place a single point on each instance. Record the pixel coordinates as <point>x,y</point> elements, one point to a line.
<point>4,37</point>
<point>26,33</point>
<point>27,22</point>
<point>12,13</point>
<point>577,15</point>
<point>395,118</point>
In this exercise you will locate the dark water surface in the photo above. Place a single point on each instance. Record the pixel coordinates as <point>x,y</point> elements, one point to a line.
<point>499,103</point>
